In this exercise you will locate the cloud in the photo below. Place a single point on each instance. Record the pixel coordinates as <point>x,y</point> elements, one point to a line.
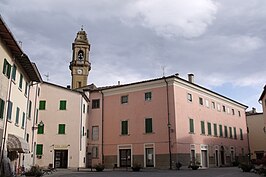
<point>173,18</point>
<point>246,43</point>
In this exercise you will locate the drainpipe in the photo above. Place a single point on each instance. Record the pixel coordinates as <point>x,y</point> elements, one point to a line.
<point>6,123</point>
<point>168,125</point>
<point>33,122</point>
<point>102,124</point>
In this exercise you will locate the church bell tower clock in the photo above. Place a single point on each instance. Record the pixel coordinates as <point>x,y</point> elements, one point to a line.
<point>80,65</point>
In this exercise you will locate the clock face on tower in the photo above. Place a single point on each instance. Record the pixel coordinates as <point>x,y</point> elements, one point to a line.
<point>80,55</point>
<point>79,71</point>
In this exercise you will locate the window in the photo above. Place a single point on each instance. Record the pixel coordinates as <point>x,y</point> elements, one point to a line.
<point>200,101</point>
<point>14,71</point>
<point>42,105</point>
<point>124,127</point>
<point>94,152</point>
<point>83,131</point>
<point>233,112</point>
<point>95,133</point>
<point>23,120</point>
<point>239,114</point>
<point>26,89</point>
<point>88,133</point>
<point>84,108</point>
<point>2,108</point>
<point>202,127</point>
<point>39,149</point>
<point>189,97</point>
<point>29,113</point>
<point>147,96</point>
<point>62,105</point>
<point>20,81</point>
<point>241,134</point>
<point>223,108</point>
<point>9,110</point>
<point>61,128</point>
<point>213,105</point>
<point>221,130</point>
<point>218,107</point>
<point>207,103</point>
<point>209,128</point>
<point>225,132</point>
<point>235,135</point>
<point>124,99</point>
<point>17,115</point>
<point>148,125</point>
<point>230,132</point>
<point>95,104</point>
<point>41,129</point>
<point>6,68</point>
<point>191,126</point>
<point>27,137</point>
<point>215,129</point>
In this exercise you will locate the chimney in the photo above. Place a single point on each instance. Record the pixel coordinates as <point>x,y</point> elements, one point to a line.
<point>176,74</point>
<point>191,78</point>
<point>254,110</point>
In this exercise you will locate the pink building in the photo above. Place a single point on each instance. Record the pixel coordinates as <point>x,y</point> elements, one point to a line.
<point>162,121</point>
<point>262,100</point>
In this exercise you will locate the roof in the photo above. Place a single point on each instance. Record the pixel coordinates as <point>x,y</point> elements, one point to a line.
<point>68,89</point>
<point>263,93</point>
<point>162,78</point>
<point>21,58</point>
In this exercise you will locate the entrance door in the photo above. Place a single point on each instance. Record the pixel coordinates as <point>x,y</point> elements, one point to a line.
<point>125,157</point>
<point>222,156</point>
<point>61,158</point>
<point>88,160</point>
<point>216,158</point>
<point>149,157</point>
<point>204,158</point>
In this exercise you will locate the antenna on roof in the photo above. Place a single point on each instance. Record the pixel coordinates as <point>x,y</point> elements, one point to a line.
<point>47,76</point>
<point>163,69</point>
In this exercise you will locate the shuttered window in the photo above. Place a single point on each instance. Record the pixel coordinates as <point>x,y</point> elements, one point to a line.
<point>40,129</point>
<point>61,128</point>
<point>202,127</point>
<point>17,115</point>
<point>23,120</point>
<point>209,129</point>
<point>124,127</point>
<point>191,126</point>
<point>148,125</point>
<point>39,149</point>
<point>2,107</point>
<point>9,110</point>
<point>14,71</point>
<point>6,68</point>
<point>62,104</point>
<point>42,105</point>
<point>215,129</point>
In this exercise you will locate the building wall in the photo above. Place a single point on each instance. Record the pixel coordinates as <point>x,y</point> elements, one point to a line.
<point>255,124</point>
<point>74,118</point>
<point>186,110</point>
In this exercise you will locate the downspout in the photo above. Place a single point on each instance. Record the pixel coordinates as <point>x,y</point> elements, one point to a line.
<point>33,122</point>
<point>6,123</point>
<point>168,125</point>
<point>102,124</point>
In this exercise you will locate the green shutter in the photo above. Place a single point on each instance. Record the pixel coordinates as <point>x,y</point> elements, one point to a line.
<point>191,125</point>
<point>148,125</point>
<point>225,132</point>
<point>4,66</point>
<point>29,113</point>
<point>61,129</point>
<point>202,127</point>
<point>23,120</point>
<point>230,132</point>
<point>40,129</point>
<point>42,105</point>
<point>235,136</point>
<point>14,71</point>
<point>221,130</point>
<point>39,149</point>
<point>2,107</point>
<point>209,129</point>
<point>9,110</point>
<point>62,105</point>
<point>241,134</point>
<point>215,129</point>
<point>124,128</point>
<point>17,115</point>
<point>20,81</point>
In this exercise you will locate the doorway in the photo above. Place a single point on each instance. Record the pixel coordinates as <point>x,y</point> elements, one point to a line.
<point>204,158</point>
<point>149,157</point>
<point>216,158</point>
<point>222,155</point>
<point>125,157</point>
<point>61,158</point>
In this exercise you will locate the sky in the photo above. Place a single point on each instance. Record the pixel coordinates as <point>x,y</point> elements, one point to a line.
<point>222,42</point>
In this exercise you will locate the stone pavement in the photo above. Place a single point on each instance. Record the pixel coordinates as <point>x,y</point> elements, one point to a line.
<point>184,172</point>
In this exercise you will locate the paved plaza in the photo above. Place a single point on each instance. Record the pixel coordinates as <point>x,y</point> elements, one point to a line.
<point>185,172</point>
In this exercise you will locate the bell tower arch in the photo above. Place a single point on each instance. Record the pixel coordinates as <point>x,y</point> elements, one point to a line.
<point>80,64</point>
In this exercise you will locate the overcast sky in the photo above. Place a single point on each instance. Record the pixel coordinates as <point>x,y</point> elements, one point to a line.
<point>221,42</point>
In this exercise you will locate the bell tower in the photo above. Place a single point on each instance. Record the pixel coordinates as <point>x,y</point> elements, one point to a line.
<point>80,65</point>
